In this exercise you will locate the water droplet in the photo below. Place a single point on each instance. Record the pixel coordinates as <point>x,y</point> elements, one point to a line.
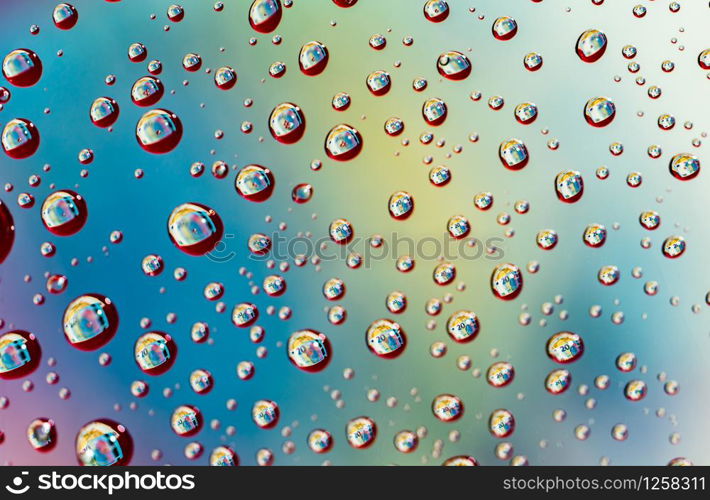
<point>569,186</point>
<point>192,62</point>
<point>287,123</point>
<point>514,154</point>
<point>558,381</point>
<point>608,275</point>
<point>460,460</point>
<point>506,281</point>
<point>20,138</point>
<point>20,354</point>
<point>532,61</point>
<point>546,239</point>
<point>320,441</point>
<point>265,414</point>
<point>434,111</point>
<point>463,326</point>
<point>254,183</point>
<point>195,228</point>
<point>7,232</point>
<point>378,42</point>
<point>244,315</point>
<point>447,407</point>
<point>155,352</point>
<point>64,213</point>
<point>313,58</point>
<point>501,423</point>
<point>673,247</point>
<point>137,52</point>
<point>343,143</point>
<point>436,11</point>
<point>223,456</point>
<point>186,420</point>
<point>591,45</point>
<point>635,390</point>
<point>175,13</point>
<point>302,193</point>
<point>361,432</point>
<point>453,65</point>
<point>309,350</point>
<point>385,338</point>
<point>22,68</point>
<point>225,78</point>
<point>379,82</point>
<point>42,434</point>
<point>103,442</point>
<point>650,220</point>
<point>504,28</point>
<point>65,16</point>
<point>90,321</point>
<point>159,131</point>
<point>565,347</point>
<point>265,15</point>
<point>104,112</point>
<point>599,111</point>
<point>684,166</point>
<point>401,205</point>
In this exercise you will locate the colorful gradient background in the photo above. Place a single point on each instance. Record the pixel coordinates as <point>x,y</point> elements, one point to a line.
<point>667,339</point>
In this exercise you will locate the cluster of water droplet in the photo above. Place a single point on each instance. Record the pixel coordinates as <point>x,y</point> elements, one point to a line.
<point>91,320</point>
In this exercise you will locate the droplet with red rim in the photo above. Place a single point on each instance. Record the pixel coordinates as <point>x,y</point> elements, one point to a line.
<point>155,352</point>
<point>90,321</point>
<point>22,68</point>
<point>64,212</point>
<point>20,138</point>
<point>20,354</point>
<point>159,131</point>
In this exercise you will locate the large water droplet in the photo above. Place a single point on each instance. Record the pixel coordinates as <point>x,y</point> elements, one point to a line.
<point>265,15</point>
<point>434,111</point>
<point>159,131</point>
<point>361,432</point>
<point>22,68</point>
<point>504,28</point>
<point>684,166</point>
<point>155,352</point>
<point>65,16</point>
<point>565,347</point>
<point>90,321</point>
<point>313,58</point>
<point>569,186</point>
<point>254,183</point>
<point>64,212</point>
<point>591,45</point>
<point>195,228</point>
<point>20,354</point>
<point>104,112</point>
<point>385,338</point>
<point>147,91</point>
<point>287,123</point>
<point>309,350</point>
<point>506,281</point>
<point>436,11</point>
<point>453,65</point>
<point>20,138</point>
<point>343,142</point>
<point>599,111</point>
<point>103,442</point>
<point>514,154</point>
